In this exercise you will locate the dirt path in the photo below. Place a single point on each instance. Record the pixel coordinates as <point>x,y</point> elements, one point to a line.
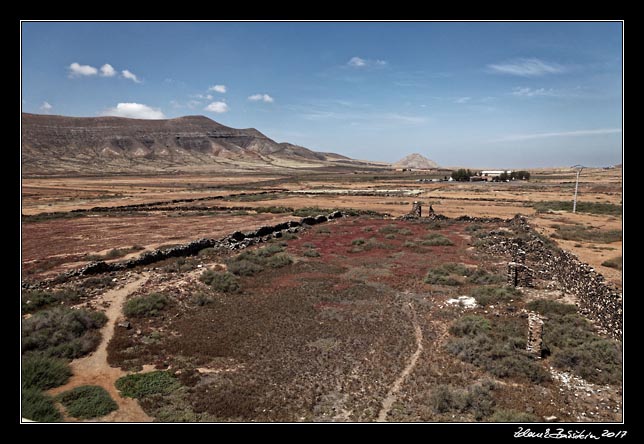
<point>392,394</point>
<point>94,369</point>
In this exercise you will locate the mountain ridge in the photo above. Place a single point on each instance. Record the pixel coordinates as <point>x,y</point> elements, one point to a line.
<point>53,144</point>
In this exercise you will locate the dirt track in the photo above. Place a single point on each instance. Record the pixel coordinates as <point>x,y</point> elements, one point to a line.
<point>392,394</point>
<point>94,369</point>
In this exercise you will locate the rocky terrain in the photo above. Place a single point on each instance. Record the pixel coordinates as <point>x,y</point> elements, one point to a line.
<point>90,145</point>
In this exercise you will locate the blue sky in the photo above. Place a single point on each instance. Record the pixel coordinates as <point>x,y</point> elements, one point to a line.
<point>472,94</point>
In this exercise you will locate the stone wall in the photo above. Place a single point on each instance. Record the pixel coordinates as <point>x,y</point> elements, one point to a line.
<point>535,334</point>
<point>598,300</point>
<point>234,241</point>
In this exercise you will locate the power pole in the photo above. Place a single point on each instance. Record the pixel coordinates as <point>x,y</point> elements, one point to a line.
<point>574,202</point>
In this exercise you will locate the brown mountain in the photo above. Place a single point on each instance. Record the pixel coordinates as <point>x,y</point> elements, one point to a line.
<point>416,162</point>
<point>82,145</point>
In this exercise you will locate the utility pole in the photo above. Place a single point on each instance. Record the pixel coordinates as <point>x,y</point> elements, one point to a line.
<point>574,202</point>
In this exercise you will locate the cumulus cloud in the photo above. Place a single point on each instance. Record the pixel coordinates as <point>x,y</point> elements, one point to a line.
<point>359,62</point>
<point>130,75</point>
<point>462,100</point>
<point>107,70</point>
<point>46,107</point>
<point>218,88</point>
<point>526,67</point>
<point>77,70</point>
<point>217,107</point>
<point>261,98</point>
<point>134,111</point>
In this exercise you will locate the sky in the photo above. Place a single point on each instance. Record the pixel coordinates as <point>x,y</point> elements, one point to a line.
<point>476,94</point>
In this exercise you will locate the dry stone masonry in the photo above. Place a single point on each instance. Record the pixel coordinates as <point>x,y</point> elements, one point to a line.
<point>234,241</point>
<point>535,334</point>
<point>598,300</point>
<point>520,275</point>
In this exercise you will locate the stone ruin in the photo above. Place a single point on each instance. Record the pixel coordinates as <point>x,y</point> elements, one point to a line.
<point>415,213</point>
<point>598,300</point>
<point>535,335</point>
<point>520,275</point>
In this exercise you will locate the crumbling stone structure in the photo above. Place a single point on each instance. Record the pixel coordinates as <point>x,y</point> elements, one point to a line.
<point>520,275</point>
<point>415,213</point>
<point>535,335</point>
<point>598,300</point>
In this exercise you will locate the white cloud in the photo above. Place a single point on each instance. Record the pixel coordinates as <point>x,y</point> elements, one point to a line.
<point>218,88</point>
<point>46,107</point>
<point>530,92</point>
<point>130,75</point>
<point>576,133</point>
<point>107,70</point>
<point>359,62</point>
<point>217,107</point>
<point>462,100</point>
<point>526,67</point>
<point>76,70</point>
<point>202,96</point>
<point>261,98</point>
<point>134,111</point>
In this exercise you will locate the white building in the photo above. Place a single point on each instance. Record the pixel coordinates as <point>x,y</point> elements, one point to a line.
<point>494,173</point>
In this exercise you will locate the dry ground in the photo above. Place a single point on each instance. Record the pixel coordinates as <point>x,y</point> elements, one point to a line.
<point>51,246</point>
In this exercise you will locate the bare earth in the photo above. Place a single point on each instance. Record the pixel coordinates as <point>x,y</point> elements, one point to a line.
<point>94,369</point>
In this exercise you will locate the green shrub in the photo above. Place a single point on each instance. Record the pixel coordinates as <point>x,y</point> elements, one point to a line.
<point>470,325</point>
<point>243,267</point>
<point>279,260</point>
<point>390,236</point>
<point>62,332</point>
<point>482,277</point>
<point>200,299</point>
<point>615,263</point>
<point>87,401</point>
<point>581,233</point>
<point>410,244</point>
<point>43,373</point>
<point>145,306</point>
<point>494,295</point>
<point>404,231</point>
<point>274,209</point>
<point>512,416</point>
<point>36,299</point>
<point>97,282</point>
<point>206,252</point>
<point>224,282</point>
<point>311,253</point>
<point>389,229</point>
<point>575,347</point>
<point>140,385</point>
<point>547,307</point>
<point>476,399</point>
<point>359,241</point>
<point>582,207</point>
<point>473,228</point>
<point>447,274</point>
<point>38,406</point>
<point>269,250</point>
<point>436,239</point>
<point>499,349</point>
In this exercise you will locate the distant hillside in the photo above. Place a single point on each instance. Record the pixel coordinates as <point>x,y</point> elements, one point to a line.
<point>104,145</point>
<point>417,162</point>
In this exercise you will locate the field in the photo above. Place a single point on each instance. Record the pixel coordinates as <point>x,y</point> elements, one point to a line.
<point>355,319</point>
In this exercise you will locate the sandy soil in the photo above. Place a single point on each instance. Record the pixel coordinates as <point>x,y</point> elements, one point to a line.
<point>94,369</point>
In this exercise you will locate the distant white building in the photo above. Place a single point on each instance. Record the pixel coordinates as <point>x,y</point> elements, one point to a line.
<point>494,173</point>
